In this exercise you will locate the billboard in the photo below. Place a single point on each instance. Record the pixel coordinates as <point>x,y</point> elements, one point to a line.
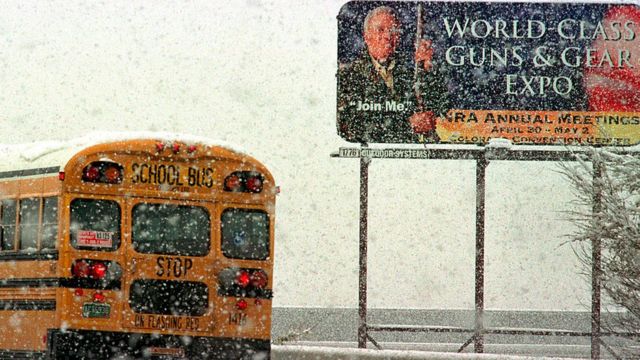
<point>468,72</point>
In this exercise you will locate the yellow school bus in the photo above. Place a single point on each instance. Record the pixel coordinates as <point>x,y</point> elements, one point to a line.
<point>138,248</point>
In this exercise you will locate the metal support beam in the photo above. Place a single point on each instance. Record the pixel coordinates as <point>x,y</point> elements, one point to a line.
<point>362,281</point>
<point>596,262</point>
<point>478,337</point>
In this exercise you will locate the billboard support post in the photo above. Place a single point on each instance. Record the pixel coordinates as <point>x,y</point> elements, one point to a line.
<point>482,156</point>
<point>596,261</point>
<point>362,281</point>
<point>478,342</point>
<point>416,80</point>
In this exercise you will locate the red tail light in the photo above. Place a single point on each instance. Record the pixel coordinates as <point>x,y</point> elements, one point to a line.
<point>243,278</point>
<point>242,283</point>
<point>259,279</point>
<point>80,269</point>
<point>98,270</point>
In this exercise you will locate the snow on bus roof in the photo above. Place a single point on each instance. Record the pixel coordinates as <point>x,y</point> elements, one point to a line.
<point>51,153</point>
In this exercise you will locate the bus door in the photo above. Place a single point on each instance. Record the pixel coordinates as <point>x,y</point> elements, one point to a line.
<point>168,282</point>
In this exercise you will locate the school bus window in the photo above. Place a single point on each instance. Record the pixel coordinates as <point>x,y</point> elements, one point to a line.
<point>8,225</point>
<point>29,211</point>
<point>245,234</point>
<point>169,297</point>
<point>95,224</point>
<point>49,223</point>
<point>170,229</point>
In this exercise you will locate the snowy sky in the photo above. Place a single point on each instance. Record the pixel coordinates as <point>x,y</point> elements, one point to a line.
<point>261,74</point>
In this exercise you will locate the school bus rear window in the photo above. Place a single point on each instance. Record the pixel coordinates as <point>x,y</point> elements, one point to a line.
<point>169,297</point>
<point>95,224</point>
<point>7,224</point>
<point>245,234</point>
<point>171,229</point>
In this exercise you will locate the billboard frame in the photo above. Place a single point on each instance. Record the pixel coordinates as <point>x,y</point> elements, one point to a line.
<point>482,155</point>
<point>536,83</point>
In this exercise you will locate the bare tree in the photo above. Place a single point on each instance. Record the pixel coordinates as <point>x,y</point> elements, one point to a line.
<point>616,222</point>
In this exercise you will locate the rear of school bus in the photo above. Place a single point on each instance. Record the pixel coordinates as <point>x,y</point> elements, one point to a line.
<point>28,260</point>
<point>166,252</point>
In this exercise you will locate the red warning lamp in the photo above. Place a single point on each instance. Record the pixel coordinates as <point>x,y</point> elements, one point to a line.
<point>244,181</point>
<point>159,146</point>
<point>233,183</point>
<point>91,173</point>
<point>107,172</point>
<point>175,148</point>
<point>191,149</point>
<point>254,184</point>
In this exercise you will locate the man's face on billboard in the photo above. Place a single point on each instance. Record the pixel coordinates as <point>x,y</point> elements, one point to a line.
<point>381,34</point>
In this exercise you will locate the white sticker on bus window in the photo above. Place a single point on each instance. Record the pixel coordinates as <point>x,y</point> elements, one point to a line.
<point>95,238</point>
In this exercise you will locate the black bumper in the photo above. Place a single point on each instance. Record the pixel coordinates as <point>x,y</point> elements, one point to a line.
<point>83,344</point>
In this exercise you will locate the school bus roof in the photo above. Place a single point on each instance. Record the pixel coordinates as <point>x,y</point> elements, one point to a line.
<point>55,154</point>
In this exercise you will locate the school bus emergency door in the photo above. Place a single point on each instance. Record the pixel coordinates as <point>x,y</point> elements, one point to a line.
<point>169,280</point>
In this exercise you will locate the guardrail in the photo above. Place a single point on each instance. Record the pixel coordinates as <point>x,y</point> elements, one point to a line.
<point>499,331</point>
<point>293,352</point>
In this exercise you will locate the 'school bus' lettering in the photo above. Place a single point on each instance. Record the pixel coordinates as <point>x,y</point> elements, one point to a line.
<point>170,174</point>
<point>142,250</point>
